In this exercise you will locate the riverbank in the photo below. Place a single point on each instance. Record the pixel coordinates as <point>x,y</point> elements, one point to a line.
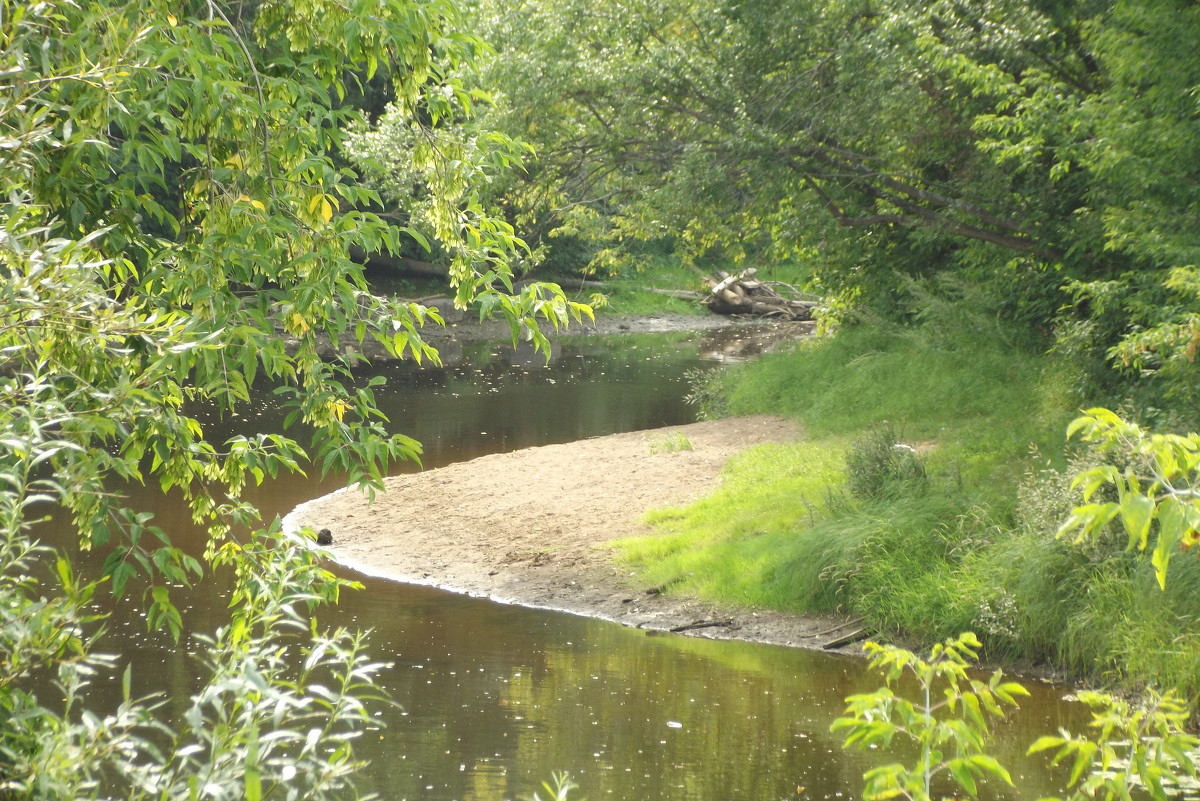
<point>531,527</point>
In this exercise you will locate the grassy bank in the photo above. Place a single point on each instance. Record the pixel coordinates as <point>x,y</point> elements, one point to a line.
<point>925,498</point>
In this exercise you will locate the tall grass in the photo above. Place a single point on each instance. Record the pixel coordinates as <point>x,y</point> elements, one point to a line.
<point>962,540</point>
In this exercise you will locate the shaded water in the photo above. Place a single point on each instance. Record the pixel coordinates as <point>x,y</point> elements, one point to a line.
<point>494,698</point>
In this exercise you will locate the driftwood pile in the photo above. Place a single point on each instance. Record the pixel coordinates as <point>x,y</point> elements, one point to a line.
<point>745,294</point>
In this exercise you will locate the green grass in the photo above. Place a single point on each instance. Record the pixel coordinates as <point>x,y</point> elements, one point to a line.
<point>971,547</point>
<point>721,546</point>
<point>670,442</point>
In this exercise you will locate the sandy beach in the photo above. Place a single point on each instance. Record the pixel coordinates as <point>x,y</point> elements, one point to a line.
<point>530,527</point>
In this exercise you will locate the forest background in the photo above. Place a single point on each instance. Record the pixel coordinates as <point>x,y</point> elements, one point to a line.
<point>998,201</point>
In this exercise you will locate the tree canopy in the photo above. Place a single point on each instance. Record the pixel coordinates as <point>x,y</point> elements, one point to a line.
<point>1043,151</point>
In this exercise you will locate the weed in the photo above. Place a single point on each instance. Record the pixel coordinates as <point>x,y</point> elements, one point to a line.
<point>1145,746</point>
<point>559,788</point>
<point>669,442</point>
<point>948,722</point>
<point>879,466</point>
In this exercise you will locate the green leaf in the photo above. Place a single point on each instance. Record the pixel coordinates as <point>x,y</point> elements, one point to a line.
<point>252,774</point>
<point>992,766</point>
<point>1137,513</point>
<point>960,769</point>
<point>1045,743</point>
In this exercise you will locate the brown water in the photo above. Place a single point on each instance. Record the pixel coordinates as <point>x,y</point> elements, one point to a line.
<point>495,698</point>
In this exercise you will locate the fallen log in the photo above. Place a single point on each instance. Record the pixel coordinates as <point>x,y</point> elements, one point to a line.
<point>399,264</point>
<point>854,621</point>
<point>703,624</point>
<point>846,639</point>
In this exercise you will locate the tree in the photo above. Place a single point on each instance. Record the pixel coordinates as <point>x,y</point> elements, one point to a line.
<point>949,723</point>
<point>1144,745</point>
<point>1038,149</point>
<point>775,124</point>
<point>175,229</point>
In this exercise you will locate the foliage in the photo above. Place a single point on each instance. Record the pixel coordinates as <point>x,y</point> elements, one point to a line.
<point>708,393</point>
<point>949,741</point>
<point>175,228</point>
<point>1156,491</point>
<point>1145,747</point>
<point>784,530</point>
<point>1040,151</point>
<point>971,547</point>
<point>955,385</point>
<point>418,169</point>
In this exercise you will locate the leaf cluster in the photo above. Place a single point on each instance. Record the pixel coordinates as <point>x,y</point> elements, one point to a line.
<point>1144,747</point>
<point>1134,748</point>
<point>1155,490</point>
<point>1038,150</point>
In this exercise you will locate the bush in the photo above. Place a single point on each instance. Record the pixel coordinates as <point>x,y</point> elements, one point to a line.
<point>879,466</point>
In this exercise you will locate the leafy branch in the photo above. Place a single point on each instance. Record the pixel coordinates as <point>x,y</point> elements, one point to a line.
<point>1157,489</point>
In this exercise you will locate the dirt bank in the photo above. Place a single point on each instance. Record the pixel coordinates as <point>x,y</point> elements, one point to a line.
<point>530,527</point>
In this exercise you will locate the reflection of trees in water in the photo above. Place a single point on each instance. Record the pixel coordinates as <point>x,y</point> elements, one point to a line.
<point>630,716</point>
<point>500,400</point>
<point>746,343</point>
<point>649,717</point>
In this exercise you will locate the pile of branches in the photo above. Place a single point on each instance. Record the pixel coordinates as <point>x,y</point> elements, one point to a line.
<point>745,294</point>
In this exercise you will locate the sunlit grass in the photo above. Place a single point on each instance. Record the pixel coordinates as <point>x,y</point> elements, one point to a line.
<point>721,546</point>
<point>784,530</point>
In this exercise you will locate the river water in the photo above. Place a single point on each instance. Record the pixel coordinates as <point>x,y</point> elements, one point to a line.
<point>492,699</point>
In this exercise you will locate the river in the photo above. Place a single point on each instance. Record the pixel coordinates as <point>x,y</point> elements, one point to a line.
<point>492,699</point>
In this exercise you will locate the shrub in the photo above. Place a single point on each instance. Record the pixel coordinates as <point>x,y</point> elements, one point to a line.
<point>879,466</point>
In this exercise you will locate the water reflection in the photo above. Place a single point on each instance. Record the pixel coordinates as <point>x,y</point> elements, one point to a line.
<point>746,343</point>
<point>493,699</point>
<point>496,698</point>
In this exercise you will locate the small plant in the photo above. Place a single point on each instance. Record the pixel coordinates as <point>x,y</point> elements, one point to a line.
<point>948,723</point>
<point>559,787</point>
<point>1136,747</point>
<point>669,443</point>
<point>1157,482</point>
<point>1142,746</point>
<point>878,466</point>
<point>998,617</point>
